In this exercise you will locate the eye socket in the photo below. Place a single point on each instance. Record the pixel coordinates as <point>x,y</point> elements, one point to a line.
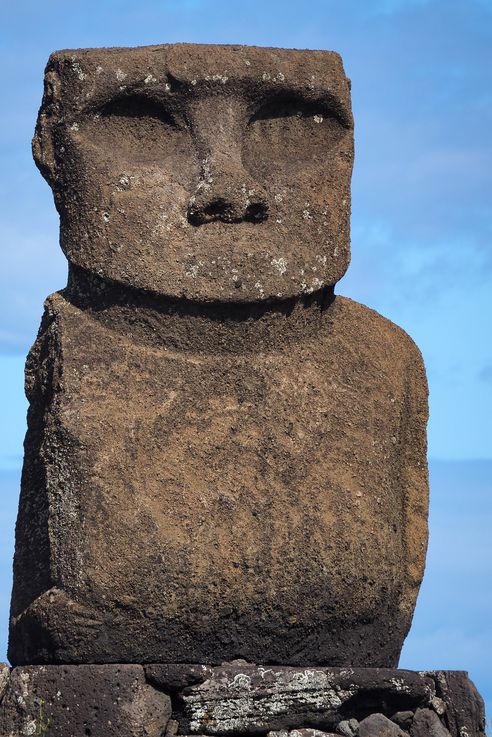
<point>137,129</point>
<point>292,107</point>
<point>287,135</point>
<point>138,107</point>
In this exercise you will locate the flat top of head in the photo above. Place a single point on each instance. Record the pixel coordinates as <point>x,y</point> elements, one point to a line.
<point>201,64</point>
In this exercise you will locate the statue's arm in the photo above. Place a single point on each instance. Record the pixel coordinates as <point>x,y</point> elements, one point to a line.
<point>31,561</point>
<point>414,478</point>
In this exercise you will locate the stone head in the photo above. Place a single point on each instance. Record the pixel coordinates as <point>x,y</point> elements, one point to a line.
<point>212,173</point>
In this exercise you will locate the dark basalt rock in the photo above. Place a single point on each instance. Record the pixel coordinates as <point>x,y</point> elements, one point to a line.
<point>426,723</point>
<point>83,701</point>
<point>171,677</point>
<point>235,699</point>
<point>403,719</point>
<point>377,725</point>
<point>253,698</point>
<point>348,727</point>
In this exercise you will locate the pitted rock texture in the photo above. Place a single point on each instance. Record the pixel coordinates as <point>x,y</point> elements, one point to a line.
<point>377,725</point>
<point>179,502</point>
<point>204,172</point>
<point>4,679</point>
<point>236,699</point>
<point>463,711</point>
<point>83,701</point>
<point>300,733</point>
<point>223,459</point>
<point>348,727</point>
<point>363,702</point>
<point>426,723</point>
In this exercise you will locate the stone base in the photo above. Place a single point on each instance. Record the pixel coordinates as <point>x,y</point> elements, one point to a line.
<point>236,698</point>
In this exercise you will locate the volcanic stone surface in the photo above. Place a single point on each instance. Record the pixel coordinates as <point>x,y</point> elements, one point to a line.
<point>82,701</point>
<point>224,459</point>
<point>237,699</point>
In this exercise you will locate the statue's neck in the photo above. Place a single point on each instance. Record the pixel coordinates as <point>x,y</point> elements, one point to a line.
<point>216,327</point>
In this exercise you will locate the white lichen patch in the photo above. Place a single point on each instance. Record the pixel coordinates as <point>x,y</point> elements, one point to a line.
<point>192,270</point>
<point>4,679</point>
<point>74,127</point>
<point>399,683</point>
<point>78,69</point>
<point>120,75</point>
<point>280,264</point>
<point>321,259</point>
<point>267,671</point>
<point>278,198</point>
<point>241,682</point>
<point>307,215</point>
<point>206,178</point>
<point>99,69</point>
<point>310,288</point>
<point>258,704</point>
<point>150,79</point>
<point>124,183</point>
<point>438,705</point>
<point>29,728</point>
<point>217,78</point>
<point>267,77</point>
<point>106,217</point>
<point>318,118</point>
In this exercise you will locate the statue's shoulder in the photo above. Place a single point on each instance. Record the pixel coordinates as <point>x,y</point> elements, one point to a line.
<point>370,331</point>
<point>62,329</point>
<point>63,316</point>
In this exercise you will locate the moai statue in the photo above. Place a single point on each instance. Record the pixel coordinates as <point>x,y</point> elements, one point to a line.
<point>224,459</point>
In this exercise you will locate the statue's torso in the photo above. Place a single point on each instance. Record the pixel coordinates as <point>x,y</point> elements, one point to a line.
<point>219,504</point>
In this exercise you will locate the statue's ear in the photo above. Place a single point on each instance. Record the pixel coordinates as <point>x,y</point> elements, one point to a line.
<point>43,148</point>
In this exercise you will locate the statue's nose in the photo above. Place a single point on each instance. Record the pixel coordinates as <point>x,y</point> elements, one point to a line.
<point>225,191</point>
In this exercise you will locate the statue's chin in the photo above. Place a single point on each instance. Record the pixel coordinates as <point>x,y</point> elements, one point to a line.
<point>84,285</point>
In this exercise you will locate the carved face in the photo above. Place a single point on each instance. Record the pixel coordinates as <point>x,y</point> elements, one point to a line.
<point>205,172</point>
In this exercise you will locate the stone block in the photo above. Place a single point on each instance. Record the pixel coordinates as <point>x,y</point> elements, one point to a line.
<point>235,699</point>
<point>82,701</point>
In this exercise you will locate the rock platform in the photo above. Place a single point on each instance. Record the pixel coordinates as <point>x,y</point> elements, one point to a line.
<point>237,698</point>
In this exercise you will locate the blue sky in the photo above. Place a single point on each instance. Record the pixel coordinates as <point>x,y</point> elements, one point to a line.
<point>421,236</point>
